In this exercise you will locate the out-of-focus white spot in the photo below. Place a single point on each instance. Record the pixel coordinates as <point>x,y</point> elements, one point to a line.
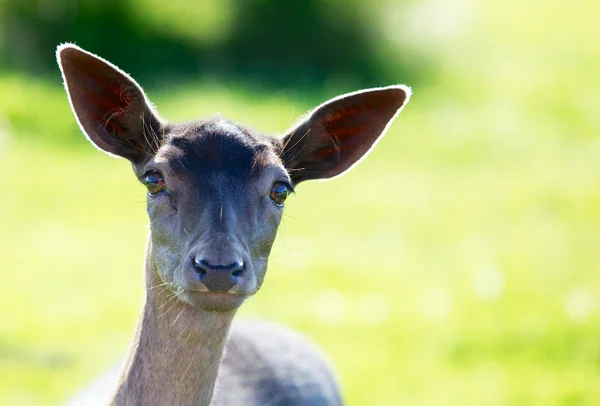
<point>372,308</point>
<point>331,306</point>
<point>437,304</point>
<point>432,21</point>
<point>579,304</point>
<point>488,283</point>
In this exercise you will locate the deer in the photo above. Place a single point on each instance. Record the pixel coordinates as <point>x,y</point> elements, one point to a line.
<point>215,197</point>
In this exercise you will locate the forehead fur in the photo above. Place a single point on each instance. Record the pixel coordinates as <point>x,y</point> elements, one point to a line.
<point>217,145</point>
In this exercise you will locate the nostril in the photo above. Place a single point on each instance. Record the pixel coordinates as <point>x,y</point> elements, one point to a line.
<point>236,269</point>
<point>201,266</point>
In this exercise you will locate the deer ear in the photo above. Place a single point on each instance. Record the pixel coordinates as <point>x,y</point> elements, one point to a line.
<point>341,131</point>
<point>110,107</point>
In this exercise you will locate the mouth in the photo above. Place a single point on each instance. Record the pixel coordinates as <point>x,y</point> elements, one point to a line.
<point>213,301</point>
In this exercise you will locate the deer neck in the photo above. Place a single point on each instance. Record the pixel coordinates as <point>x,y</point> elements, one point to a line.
<point>176,351</point>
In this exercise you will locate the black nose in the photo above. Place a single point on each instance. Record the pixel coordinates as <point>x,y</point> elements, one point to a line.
<point>218,278</point>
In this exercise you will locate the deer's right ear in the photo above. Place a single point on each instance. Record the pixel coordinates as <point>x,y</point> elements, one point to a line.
<point>111,108</point>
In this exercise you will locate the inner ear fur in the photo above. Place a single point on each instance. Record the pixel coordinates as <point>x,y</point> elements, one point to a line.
<point>110,107</point>
<point>340,132</point>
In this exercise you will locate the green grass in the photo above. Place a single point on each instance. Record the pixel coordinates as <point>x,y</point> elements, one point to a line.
<point>457,265</point>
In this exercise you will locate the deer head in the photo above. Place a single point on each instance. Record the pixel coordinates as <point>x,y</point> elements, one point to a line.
<point>215,189</point>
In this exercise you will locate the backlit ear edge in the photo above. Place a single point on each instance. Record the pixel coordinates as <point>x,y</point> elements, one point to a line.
<point>407,92</point>
<point>68,45</point>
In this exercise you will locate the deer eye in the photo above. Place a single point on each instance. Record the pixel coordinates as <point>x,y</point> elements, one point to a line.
<point>279,192</point>
<point>155,183</point>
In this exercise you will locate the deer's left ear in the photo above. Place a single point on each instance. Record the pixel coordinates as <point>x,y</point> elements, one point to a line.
<point>338,133</point>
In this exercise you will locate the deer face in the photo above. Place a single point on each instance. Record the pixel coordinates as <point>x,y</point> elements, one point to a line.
<point>215,190</point>
<point>215,200</point>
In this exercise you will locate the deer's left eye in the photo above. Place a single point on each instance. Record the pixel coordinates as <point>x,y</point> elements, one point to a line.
<point>279,192</point>
<point>155,183</point>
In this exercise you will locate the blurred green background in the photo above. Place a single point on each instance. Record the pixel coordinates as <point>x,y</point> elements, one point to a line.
<point>457,265</point>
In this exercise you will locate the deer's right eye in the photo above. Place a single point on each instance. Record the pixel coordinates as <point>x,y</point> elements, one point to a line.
<point>155,183</point>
